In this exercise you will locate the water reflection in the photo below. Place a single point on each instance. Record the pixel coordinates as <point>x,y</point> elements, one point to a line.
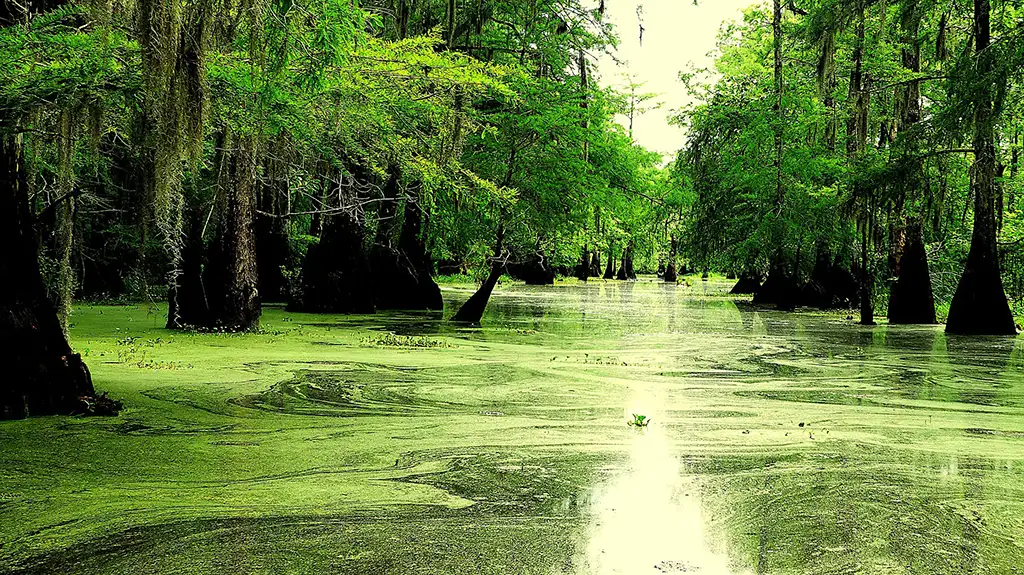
<point>647,517</point>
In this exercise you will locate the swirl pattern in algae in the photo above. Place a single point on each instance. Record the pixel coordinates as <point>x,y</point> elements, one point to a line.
<point>778,443</point>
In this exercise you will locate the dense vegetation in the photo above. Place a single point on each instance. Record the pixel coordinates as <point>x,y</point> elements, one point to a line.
<point>338,155</point>
<point>864,152</point>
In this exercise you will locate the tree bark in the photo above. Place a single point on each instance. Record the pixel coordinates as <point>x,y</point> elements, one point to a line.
<point>777,49</point>
<point>335,273</point>
<point>583,269</point>
<point>473,310</point>
<point>911,301</point>
<point>609,270</point>
<point>241,304</point>
<point>979,305</point>
<point>857,131</point>
<point>42,374</point>
<point>671,272</point>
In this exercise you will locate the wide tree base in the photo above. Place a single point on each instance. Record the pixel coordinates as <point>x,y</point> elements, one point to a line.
<point>747,284</point>
<point>41,374</point>
<point>472,311</point>
<point>535,272</point>
<point>979,307</point>
<point>910,299</point>
<point>780,290</point>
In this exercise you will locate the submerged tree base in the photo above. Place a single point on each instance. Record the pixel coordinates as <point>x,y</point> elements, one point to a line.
<point>911,300</point>
<point>780,290</point>
<point>42,375</point>
<point>747,284</point>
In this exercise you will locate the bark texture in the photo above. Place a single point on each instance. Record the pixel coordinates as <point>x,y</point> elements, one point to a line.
<point>42,374</point>
<point>979,305</point>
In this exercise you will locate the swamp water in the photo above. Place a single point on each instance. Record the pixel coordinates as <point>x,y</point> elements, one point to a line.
<point>778,443</point>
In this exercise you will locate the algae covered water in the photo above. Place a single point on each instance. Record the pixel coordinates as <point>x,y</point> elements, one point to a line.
<point>398,443</point>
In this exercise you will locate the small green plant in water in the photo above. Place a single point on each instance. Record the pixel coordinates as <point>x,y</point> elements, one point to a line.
<point>390,339</point>
<point>639,420</point>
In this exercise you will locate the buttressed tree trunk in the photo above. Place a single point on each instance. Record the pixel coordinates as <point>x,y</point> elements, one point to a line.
<point>473,310</point>
<point>609,271</point>
<point>41,373</point>
<point>910,300</point>
<point>336,273</point>
<point>979,305</point>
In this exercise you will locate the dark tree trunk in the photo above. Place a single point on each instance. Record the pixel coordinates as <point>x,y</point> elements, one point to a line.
<point>609,271</point>
<point>401,276</point>
<point>42,375</point>
<point>779,289</point>
<point>1011,199</point>
<point>749,283</point>
<point>910,300</point>
<point>583,268</point>
<point>401,273</point>
<point>857,131</point>
<point>979,305</point>
<point>626,271</point>
<point>595,264</point>
<point>627,263</point>
<point>217,284</point>
<point>335,272</point>
<point>671,273</point>
<point>473,310</point>
<point>241,303</point>
<point>777,106</point>
<point>816,291</point>
<point>188,305</point>
<point>274,252</point>
<point>867,278</point>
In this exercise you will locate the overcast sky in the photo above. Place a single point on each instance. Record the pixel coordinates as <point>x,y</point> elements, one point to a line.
<point>676,33</point>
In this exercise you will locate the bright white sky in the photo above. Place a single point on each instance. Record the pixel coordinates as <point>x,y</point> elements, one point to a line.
<point>676,34</point>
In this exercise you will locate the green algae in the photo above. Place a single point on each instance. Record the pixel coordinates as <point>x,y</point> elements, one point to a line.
<point>398,443</point>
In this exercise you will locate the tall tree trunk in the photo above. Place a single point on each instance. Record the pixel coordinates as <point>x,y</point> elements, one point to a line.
<point>583,269</point>
<point>910,299</point>
<point>401,272</point>
<point>63,233</point>
<point>450,34</point>
<point>856,131</point>
<point>413,248</point>
<point>1011,199</point>
<point>609,270</point>
<point>403,19</point>
<point>274,252</point>
<point>336,272</point>
<point>827,83</point>
<point>241,304</point>
<point>671,272</point>
<point>188,304</point>
<point>473,310</point>
<point>979,305</point>
<point>777,49</point>
<point>42,375</point>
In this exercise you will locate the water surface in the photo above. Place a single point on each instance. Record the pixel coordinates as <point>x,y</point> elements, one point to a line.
<point>778,443</point>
